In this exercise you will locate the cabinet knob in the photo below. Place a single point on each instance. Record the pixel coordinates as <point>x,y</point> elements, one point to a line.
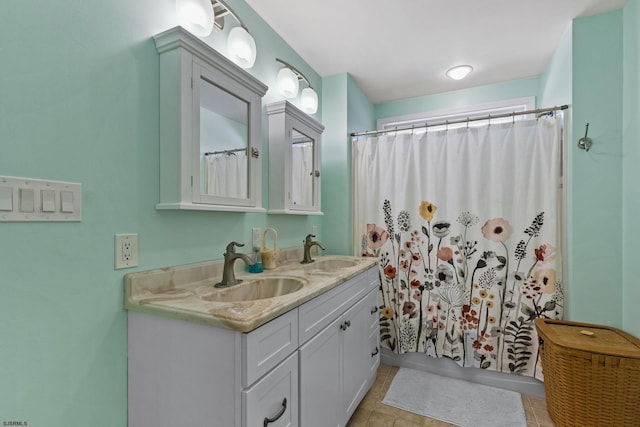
<point>374,310</point>
<point>376,351</point>
<point>276,417</point>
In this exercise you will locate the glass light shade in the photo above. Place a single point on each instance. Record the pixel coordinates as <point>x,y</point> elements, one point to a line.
<point>196,16</point>
<point>309,100</point>
<point>287,83</point>
<point>241,47</point>
<point>459,72</point>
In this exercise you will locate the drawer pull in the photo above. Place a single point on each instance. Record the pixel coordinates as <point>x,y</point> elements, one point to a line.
<point>375,352</point>
<point>374,310</point>
<point>345,325</point>
<point>277,416</point>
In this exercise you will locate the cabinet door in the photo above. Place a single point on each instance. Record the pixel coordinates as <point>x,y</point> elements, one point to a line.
<point>356,355</point>
<point>274,397</point>
<point>320,383</point>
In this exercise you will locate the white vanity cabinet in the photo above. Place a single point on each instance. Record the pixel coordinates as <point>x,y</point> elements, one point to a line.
<point>311,366</point>
<point>338,364</point>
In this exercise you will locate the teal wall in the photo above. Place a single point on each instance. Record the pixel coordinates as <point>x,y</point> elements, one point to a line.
<point>595,246</point>
<point>346,109</point>
<point>459,98</point>
<point>79,101</point>
<point>631,169</point>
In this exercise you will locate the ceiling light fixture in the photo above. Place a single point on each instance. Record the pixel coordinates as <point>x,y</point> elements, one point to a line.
<point>288,85</point>
<point>459,72</point>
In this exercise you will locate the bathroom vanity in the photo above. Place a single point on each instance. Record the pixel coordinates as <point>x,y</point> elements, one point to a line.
<point>297,346</point>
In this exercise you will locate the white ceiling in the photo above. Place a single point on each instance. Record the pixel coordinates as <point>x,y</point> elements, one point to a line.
<point>397,49</point>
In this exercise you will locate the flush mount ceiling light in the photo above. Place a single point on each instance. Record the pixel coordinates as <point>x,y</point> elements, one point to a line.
<point>459,72</point>
<point>196,16</point>
<point>288,85</point>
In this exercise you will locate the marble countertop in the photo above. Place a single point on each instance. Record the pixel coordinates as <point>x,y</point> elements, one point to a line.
<point>187,292</point>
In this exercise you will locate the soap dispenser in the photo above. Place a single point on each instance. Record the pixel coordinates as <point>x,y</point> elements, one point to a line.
<point>257,261</point>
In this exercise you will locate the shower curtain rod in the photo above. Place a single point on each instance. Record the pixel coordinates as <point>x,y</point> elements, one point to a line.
<point>211,153</point>
<point>467,120</point>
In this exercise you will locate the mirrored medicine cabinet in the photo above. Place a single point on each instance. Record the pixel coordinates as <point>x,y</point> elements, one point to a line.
<point>210,126</point>
<point>294,160</point>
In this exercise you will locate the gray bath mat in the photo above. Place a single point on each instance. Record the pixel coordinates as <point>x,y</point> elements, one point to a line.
<point>455,401</point>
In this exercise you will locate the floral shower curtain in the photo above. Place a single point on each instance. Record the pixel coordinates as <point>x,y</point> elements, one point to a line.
<point>466,226</point>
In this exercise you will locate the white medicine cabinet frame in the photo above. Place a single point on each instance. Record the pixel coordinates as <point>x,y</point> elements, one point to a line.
<point>294,160</point>
<point>210,111</point>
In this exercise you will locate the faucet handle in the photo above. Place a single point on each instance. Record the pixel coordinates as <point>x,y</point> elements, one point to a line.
<point>309,237</point>
<point>231,247</point>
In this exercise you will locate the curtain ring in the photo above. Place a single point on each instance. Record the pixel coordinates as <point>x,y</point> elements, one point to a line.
<point>467,122</point>
<point>446,125</point>
<point>513,118</point>
<point>413,127</point>
<point>395,132</point>
<point>489,119</point>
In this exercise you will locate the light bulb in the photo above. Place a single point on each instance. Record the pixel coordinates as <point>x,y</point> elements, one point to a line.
<point>287,83</point>
<point>459,72</point>
<point>309,100</point>
<point>241,47</point>
<point>195,16</point>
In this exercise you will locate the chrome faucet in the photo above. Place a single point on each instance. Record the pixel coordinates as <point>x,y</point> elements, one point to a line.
<point>230,257</point>
<point>308,244</point>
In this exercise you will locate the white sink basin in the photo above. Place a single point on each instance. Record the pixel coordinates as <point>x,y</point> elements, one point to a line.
<point>252,290</point>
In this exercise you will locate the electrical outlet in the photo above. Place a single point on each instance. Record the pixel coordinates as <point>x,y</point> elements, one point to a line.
<point>256,237</point>
<point>314,230</point>
<point>126,250</point>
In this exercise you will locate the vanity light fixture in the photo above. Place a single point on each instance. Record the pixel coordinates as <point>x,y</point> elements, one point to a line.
<point>288,85</point>
<point>200,16</point>
<point>196,16</point>
<point>459,72</point>
<point>241,46</point>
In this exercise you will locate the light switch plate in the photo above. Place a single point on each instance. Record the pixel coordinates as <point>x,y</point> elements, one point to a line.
<point>126,251</point>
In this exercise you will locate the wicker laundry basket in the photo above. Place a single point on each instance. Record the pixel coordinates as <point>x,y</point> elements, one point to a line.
<point>591,374</point>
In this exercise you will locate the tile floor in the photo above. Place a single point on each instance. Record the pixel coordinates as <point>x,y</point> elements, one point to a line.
<point>373,413</point>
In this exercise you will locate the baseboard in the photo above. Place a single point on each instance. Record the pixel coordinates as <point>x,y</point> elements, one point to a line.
<point>448,368</point>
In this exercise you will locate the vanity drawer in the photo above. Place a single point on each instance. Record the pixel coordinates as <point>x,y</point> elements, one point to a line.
<point>274,397</point>
<point>314,315</point>
<point>265,347</point>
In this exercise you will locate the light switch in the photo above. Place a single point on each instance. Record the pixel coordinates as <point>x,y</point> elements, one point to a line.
<point>6,199</point>
<point>27,200</point>
<point>66,201</point>
<point>48,200</point>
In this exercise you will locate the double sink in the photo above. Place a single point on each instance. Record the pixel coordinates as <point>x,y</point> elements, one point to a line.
<point>188,292</point>
<point>276,286</point>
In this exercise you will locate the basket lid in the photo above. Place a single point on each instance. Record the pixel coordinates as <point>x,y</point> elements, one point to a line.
<point>589,337</point>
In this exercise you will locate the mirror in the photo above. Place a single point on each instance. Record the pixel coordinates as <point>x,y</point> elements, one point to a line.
<point>302,169</point>
<point>224,133</point>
